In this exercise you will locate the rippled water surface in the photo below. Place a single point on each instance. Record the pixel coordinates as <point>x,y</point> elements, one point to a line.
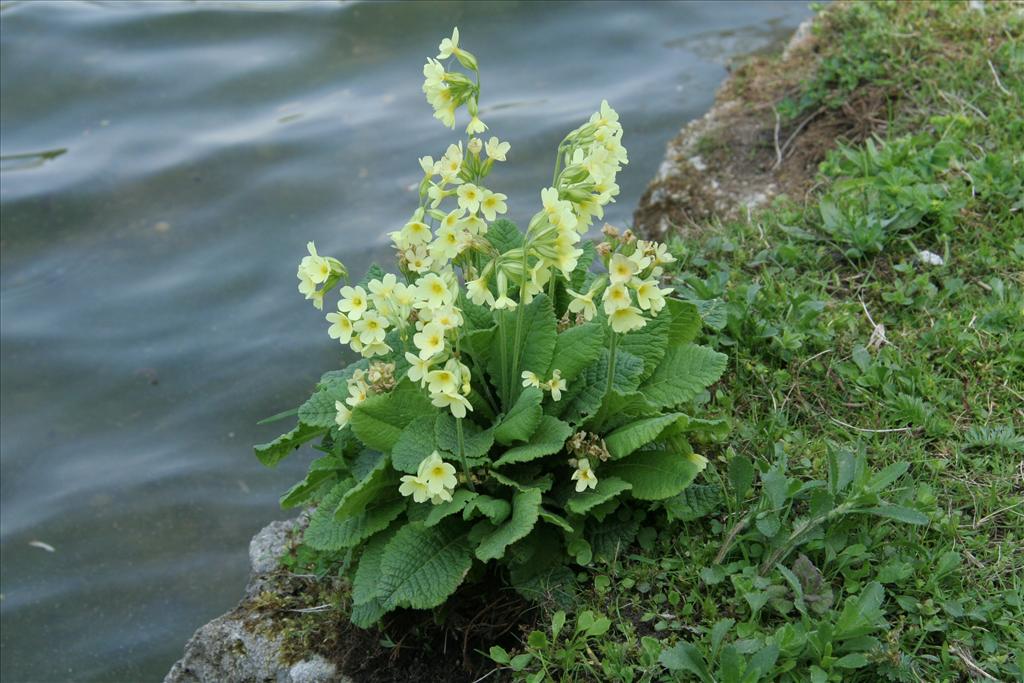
<point>163,165</point>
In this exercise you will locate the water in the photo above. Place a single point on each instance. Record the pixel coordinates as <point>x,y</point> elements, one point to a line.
<point>163,166</point>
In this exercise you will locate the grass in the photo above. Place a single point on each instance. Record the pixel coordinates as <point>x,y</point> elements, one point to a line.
<point>850,352</point>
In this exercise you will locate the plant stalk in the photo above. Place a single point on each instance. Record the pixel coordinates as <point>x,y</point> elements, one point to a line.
<point>462,454</point>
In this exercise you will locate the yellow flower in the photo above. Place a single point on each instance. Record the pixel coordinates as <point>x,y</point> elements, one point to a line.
<point>418,259</point>
<point>616,297</point>
<point>626,319</point>
<point>496,149</point>
<point>316,267</point>
<point>479,293</point>
<point>442,381</point>
<point>437,474</point>
<point>492,204</point>
<point>418,368</point>
<point>341,327</point>
<point>371,328</point>
<point>415,487</point>
<point>377,348</point>
<point>432,291</point>
<point>342,418</point>
<point>530,379</point>
<point>469,197</point>
<point>449,46</point>
<point>382,289</point>
<point>456,402</point>
<point>650,296</point>
<point>584,476</point>
<point>583,303</point>
<point>353,302</point>
<point>430,340</point>
<point>475,126</point>
<point>556,385</point>
<point>621,269</point>
<point>356,393</point>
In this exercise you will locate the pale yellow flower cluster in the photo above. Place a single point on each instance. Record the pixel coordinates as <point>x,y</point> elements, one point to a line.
<point>446,90</point>
<point>316,270</point>
<point>556,385</point>
<point>358,390</point>
<point>435,481</point>
<point>631,288</point>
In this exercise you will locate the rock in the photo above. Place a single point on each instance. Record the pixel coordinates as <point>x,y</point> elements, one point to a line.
<point>722,165</point>
<point>233,648</point>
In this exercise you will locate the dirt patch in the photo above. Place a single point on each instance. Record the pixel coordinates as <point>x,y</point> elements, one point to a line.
<point>741,153</point>
<point>311,617</point>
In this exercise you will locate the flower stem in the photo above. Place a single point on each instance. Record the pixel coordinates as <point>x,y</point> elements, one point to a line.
<point>462,454</point>
<point>611,361</point>
<point>516,352</point>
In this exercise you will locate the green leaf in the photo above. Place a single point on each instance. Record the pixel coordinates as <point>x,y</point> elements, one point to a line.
<point>327,532</point>
<point>379,420</point>
<point>480,345</point>
<point>627,439</point>
<point>274,452</point>
<point>649,343</point>
<point>504,235</point>
<point>414,444</point>
<point>549,438</point>
<point>522,418</point>
<point>459,500</point>
<point>656,475</point>
<point>379,484</point>
<point>694,502</point>
<point>607,488</point>
<point>495,509</point>
<point>741,475</point>
<point>576,348</point>
<point>685,324</point>
<point>685,371</point>
<point>319,409</point>
<point>423,565</point>
<point>556,520</point>
<point>539,335</point>
<point>899,513</point>
<point>365,586</point>
<point>321,471</point>
<point>686,657</point>
<point>525,512</point>
<point>586,394</point>
<point>476,442</point>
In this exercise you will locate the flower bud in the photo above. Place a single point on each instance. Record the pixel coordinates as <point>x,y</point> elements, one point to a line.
<point>475,146</point>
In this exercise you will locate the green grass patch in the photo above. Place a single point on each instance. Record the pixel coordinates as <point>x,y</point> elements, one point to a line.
<point>863,519</point>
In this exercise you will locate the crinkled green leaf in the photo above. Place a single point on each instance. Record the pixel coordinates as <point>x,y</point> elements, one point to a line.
<point>696,501</point>
<point>549,438</point>
<point>649,343</point>
<point>414,444</point>
<point>525,512</point>
<point>632,436</point>
<point>321,471</point>
<point>459,500</point>
<point>328,532</point>
<point>274,452</point>
<point>576,348</point>
<point>555,520</point>
<point>522,418</point>
<point>607,488</point>
<point>319,409</point>
<point>423,565</point>
<point>379,420</point>
<point>379,484</point>
<point>685,325</point>
<point>365,585</point>
<point>476,442</point>
<point>657,474</point>
<point>496,510</point>
<point>684,372</point>
<point>504,235</point>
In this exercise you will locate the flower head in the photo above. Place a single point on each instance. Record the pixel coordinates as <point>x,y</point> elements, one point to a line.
<point>353,302</point>
<point>436,474</point>
<point>584,476</point>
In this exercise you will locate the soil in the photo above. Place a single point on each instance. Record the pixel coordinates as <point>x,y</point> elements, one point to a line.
<point>447,646</point>
<point>741,154</point>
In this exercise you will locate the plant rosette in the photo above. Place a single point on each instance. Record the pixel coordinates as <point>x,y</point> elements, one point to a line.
<point>514,404</point>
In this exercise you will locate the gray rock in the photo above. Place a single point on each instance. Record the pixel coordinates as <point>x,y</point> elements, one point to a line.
<point>234,649</point>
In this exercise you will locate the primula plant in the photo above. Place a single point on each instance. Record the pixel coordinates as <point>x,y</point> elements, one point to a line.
<point>518,400</point>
